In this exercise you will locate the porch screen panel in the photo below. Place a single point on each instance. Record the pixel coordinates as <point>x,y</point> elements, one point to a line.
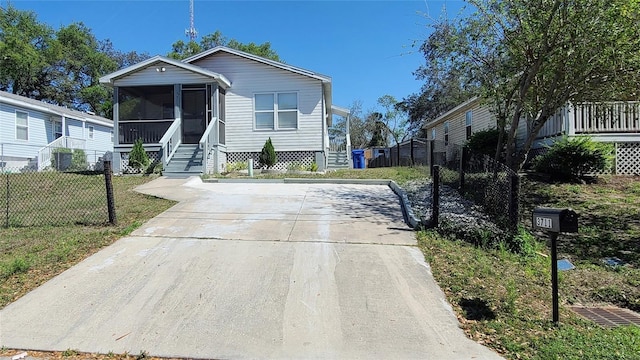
<point>145,112</point>
<point>146,103</point>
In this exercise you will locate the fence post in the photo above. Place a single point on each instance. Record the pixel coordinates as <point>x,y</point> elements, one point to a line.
<point>514,194</point>
<point>111,206</point>
<point>435,206</point>
<point>6,222</point>
<point>431,156</point>
<point>412,159</point>
<point>463,156</point>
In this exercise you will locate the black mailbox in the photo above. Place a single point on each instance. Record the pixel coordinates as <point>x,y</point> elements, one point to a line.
<point>555,220</point>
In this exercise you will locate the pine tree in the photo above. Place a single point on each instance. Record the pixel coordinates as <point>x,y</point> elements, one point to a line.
<point>268,155</point>
<point>138,158</point>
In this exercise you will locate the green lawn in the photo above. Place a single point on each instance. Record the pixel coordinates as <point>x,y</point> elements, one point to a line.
<point>30,256</point>
<point>503,300</point>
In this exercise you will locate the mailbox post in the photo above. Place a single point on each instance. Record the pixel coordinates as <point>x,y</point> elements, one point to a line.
<point>553,222</point>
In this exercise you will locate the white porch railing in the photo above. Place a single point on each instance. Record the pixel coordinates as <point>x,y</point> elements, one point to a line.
<point>45,153</point>
<point>207,141</point>
<point>607,117</point>
<point>170,141</point>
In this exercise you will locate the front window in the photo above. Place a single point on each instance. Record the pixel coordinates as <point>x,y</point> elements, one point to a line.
<point>90,135</point>
<point>276,111</point>
<point>22,125</point>
<point>446,133</point>
<point>145,103</point>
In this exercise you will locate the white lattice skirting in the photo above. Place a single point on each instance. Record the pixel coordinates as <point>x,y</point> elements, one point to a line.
<point>286,159</point>
<point>154,156</point>
<point>628,158</point>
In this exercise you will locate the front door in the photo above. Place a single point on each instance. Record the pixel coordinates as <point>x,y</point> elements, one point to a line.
<point>194,111</point>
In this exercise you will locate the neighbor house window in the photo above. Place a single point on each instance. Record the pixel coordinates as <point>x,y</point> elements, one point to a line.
<point>90,134</point>
<point>22,125</point>
<point>276,111</point>
<point>112,136</point>
<point>57,129</point>
<point>446,133</point>
<point>467,122</point>
<point>433,134</point>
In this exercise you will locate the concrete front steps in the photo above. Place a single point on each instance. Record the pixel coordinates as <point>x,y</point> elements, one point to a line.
<point>338,160</point>
<point>187,161</point>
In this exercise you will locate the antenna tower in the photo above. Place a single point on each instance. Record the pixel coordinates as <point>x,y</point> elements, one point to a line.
<point>191,32</point>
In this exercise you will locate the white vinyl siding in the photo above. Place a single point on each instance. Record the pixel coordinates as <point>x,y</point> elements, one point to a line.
<point>479,116</point>
<point>22,126</point>
<point>248,78</point>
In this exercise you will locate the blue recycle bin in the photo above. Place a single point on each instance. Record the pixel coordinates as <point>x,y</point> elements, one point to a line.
<point>358,158</point>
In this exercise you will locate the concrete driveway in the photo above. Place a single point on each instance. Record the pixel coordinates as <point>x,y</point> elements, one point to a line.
<point>251,271</point>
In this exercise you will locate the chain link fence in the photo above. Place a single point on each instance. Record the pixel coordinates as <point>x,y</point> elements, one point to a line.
<point>55,198</point>
<point>477,177</point>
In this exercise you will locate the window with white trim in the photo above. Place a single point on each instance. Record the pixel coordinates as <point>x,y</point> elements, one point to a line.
<point>57,129</point>
<point>276,111</point>
<point>446,133</point>
<point>90,133</point>
<point>112,137</point>
<point>433,134</point>
<point>22,125</point>
<point>467,122</point>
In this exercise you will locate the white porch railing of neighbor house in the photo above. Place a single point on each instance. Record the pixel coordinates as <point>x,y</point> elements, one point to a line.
<point>45,153</point>
<point>170,141</point>
<point>606,117</point>
<point>206,143</point>
<point>594,118</point>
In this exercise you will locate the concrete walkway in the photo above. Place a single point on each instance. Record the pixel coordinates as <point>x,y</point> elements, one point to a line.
<point>251,271</point>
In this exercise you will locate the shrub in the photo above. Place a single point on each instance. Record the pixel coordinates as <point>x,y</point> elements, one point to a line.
<point>483,142</point>
<point>78,160</point>
<point>268,156</point>
<point>313,167</point>
<point>236,166</point>
<point>573,158</point>
<point>138,158</point>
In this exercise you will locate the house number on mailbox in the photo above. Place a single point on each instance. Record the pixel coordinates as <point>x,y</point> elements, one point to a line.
<point>544,222</point>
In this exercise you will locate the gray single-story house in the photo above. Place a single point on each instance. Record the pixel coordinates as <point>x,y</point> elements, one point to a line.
<point>218,107</point>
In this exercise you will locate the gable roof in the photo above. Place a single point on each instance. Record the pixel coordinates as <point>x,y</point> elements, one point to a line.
<point>37,105</point>
<point>260,59</point>
<point>442,117</point>
<point>110,78</point>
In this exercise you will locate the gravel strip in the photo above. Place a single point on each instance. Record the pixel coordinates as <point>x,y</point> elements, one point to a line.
<point>453,206</point>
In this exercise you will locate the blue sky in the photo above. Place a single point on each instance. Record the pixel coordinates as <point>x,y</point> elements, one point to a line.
<point>365,46</point>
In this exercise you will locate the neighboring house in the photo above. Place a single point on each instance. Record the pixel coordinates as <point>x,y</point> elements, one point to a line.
<point>218,107</point>
<point>30,130</point>
<point>613,122</point>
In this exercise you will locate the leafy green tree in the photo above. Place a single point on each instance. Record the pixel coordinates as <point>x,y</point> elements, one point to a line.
<point>182,50</point>
<point>529,58</point>
<point>268,155</point>
<point>27,49</point>
<point>393,118</point>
